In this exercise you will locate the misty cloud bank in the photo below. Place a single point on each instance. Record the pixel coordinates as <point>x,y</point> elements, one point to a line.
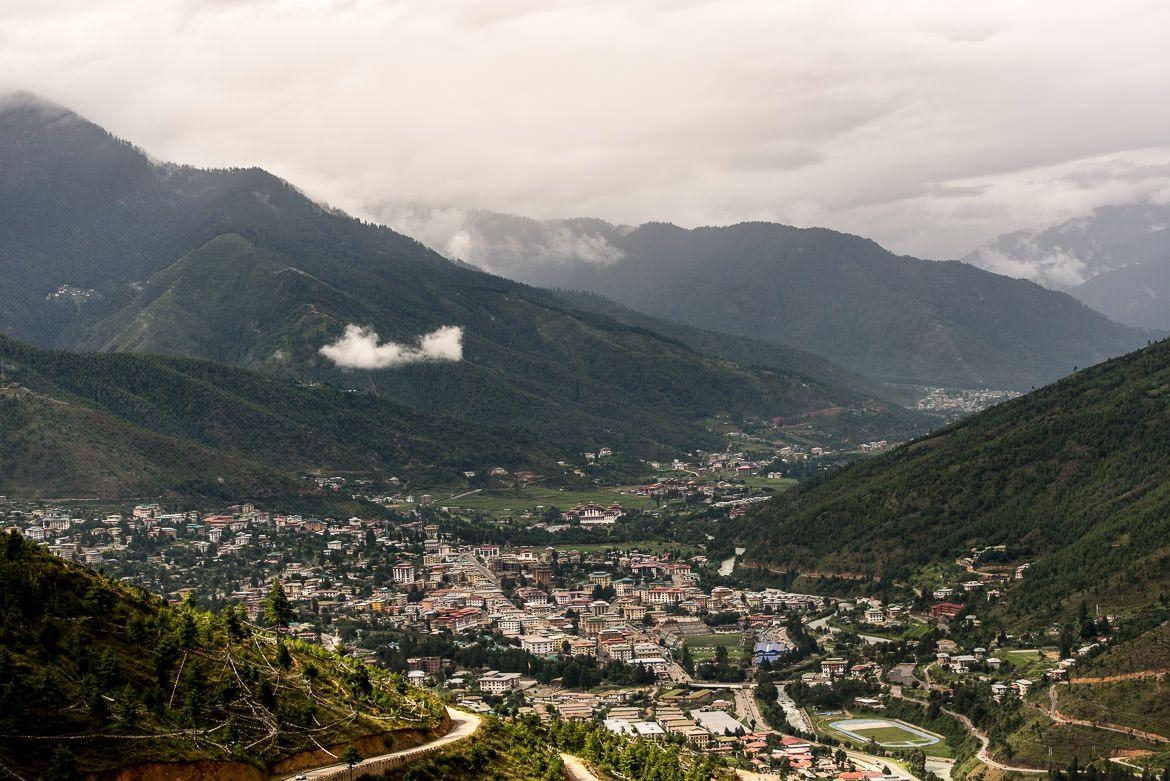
<point>505,244</point>
<point>1058,270</point>
<point>929,127</point>
<point>359,348</point>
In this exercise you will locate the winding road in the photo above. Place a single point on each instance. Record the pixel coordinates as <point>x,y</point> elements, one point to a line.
<point>984,742</point>
<point>464,726</point>
<point>907,677</point>
<point>1054,713</point>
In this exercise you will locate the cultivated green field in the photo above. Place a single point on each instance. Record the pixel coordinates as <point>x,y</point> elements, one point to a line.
<point>783,484</point>
<point>1029,663</point>
<point>507,501</point>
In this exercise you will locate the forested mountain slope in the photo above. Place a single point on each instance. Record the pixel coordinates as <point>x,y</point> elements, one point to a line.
<point>1074,477</point>
<point>105,249</point>
<point>81,654</point>
<point>743,350</point>
<point>131,425</point>
<point>840,296</point>
<point>1138,294</point>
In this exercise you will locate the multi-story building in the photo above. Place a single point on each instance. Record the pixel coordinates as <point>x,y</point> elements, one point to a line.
<point>496,682</point>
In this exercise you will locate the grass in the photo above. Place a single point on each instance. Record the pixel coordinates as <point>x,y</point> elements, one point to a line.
<point>942,749</point>
<point>1142,704</point>
<point>507,500</point>
<point>702,647</point>
<point>715,640</point>
<point>1040,741</point>
<point>890,734</point>
<point>1028,664</point>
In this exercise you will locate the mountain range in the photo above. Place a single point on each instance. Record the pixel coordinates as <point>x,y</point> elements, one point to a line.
<point>107,250</point>
<point>1115,259</point>
<point>843,297</point>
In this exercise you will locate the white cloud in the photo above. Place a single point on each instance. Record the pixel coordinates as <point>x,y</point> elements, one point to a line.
<point>856,115</point>
<point>1059,270</point>
<point>359,348</point>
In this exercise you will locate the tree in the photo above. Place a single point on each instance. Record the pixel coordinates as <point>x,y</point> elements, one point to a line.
<point>283,657</point>
<point>351,757</point>
<point>278,610</point>
<point>62,765</point>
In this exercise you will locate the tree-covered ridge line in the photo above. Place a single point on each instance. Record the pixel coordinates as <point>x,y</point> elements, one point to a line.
<point>840,296</point>
<point>1073,479</point>
<point>239,267</point>
<point>83,655</point>
<point>154,424</point>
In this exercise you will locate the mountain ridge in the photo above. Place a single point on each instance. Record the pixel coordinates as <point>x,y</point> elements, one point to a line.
<point>1072,478</point>
<point>99,229</point>
<point>892,318</point>
<point>122,424</point>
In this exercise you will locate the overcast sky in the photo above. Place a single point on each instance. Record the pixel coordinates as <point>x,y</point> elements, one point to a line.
<point>929,126</point>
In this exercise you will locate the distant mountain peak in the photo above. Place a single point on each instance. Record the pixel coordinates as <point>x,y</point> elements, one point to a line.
<point>29,102</point>
<point>1072,252</point>
<point>835,294</point>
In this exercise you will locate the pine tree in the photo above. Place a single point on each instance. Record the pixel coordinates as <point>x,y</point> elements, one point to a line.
<point>351,757</point>
<point>278,610</point>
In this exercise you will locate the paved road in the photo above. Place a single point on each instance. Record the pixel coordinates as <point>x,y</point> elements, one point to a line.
<point>819,622</point>
<point>463,726</point>
<point>984,742</point>
<point>749,713</point>
<point>676,673</point>
<point>824,622</point>
<point>940,767</point>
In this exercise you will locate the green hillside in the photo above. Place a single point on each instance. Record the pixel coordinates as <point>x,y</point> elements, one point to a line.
<point>105,249</point>
<point>743,350</point>
<point>82,655</point>
<point>1074,477</point>
<point>51,448</point>
<point>131,425</point>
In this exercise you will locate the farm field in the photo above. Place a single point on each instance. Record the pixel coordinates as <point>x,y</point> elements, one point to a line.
<point>783,484</point>
<point>515,501</point>
<point>1029,663</point>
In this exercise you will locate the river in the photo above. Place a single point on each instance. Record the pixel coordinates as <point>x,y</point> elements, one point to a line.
<point>727,566</point>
